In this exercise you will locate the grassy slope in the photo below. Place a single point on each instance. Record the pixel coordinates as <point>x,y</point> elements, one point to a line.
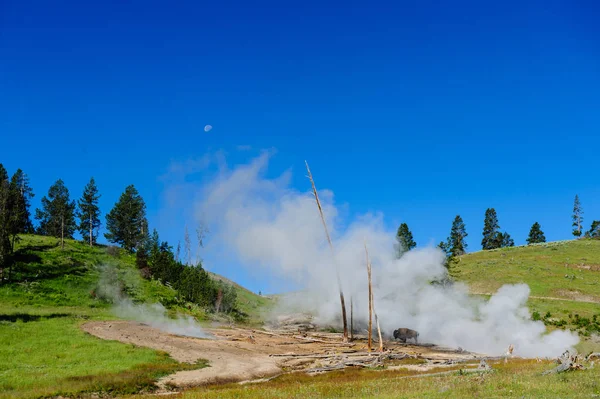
<point>543,267</point>
<point>248,302</point>
<point>560,275</point>
<point>42,350</point>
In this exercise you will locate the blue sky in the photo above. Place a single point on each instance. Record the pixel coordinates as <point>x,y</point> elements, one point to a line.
<point>420,110</point>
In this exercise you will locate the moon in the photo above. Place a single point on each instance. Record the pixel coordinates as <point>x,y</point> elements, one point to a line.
<point>207,128</point>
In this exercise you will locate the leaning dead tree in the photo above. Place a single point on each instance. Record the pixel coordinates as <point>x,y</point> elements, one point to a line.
<point>372,307</point>
<point>370,341</point>
<point>342,301</point>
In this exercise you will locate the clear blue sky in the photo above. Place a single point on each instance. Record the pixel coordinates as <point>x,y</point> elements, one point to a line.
<point>421,110</point>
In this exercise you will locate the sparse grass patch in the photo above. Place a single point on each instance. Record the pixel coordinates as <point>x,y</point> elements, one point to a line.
<point>516,379</point>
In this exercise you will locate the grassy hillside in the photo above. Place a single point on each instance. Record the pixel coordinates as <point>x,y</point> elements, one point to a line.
<point>562,269</point>
<point>564,278</point>
<point>42,350</point>
<point>248,302</point>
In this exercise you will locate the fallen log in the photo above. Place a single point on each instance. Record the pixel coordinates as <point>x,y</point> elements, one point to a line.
<point>459,371</point>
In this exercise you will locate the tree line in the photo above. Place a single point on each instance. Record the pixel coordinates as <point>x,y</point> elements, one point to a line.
<point>126,225</point>
<point>456,245</point>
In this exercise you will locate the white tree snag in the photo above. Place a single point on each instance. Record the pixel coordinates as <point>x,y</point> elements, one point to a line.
<point>342,301</point>
<point>370,340</point>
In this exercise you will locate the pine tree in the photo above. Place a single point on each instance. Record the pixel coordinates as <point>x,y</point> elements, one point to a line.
<point>126,222</point>
<point>404,240</point>
<point>457,245</point>
<point>594,231</point>
<point>20,196</point>
<point>491,236</point>
<point>89,213</point>
<point>536,235</point>
<point>57,216</point>
<point>506,240</point>
<point>5,213</point>
<point>577,217</point>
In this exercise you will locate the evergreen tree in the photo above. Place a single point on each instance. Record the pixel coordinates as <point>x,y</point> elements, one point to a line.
<point>5,213</point>
<point>126,222</point>
<point>89,213</point>
<point>506,240</point>
<point>536,235</point>
<point>491,236</point>
<point>19,199</point>
<point>594,231</point>
<point>577,217</point>
<point>57,216</point>
<point>457,245</point>
<point>404,240</point>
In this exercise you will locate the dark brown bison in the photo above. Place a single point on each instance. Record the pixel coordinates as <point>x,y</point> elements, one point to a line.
<point>406,333</point>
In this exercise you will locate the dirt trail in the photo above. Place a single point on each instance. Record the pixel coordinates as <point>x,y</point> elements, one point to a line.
<point>580,298</point>
<point>237,354</point>
<point>229,361</point>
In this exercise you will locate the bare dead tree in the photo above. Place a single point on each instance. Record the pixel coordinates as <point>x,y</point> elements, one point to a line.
<point>372,306</point>
<point>201,233</point>
<point>342,301</point>
<point>188,247</point>
<point>351,319</point>
<point>178,252</point>
<point>370,341</point>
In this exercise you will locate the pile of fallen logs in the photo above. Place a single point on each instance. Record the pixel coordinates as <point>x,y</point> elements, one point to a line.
<point>570,362</point>
<point>323,362</point>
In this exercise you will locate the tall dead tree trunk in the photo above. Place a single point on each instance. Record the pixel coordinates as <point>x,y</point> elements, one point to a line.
<point>91,225</point>
<point>342,301</point>
<point>372,307</point>
<point>370,341</point>
<point>62,231</point>
<point>351,319</point>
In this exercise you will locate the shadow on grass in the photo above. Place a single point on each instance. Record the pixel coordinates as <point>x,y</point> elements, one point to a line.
<point>25,317</point>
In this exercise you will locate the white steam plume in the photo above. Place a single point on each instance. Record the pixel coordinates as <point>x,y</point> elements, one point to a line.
<point>154,315</point>
<point>268,224</point>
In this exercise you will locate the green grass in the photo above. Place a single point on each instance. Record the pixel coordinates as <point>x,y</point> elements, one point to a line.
<point>43,352</point>
<point>516,379</point>
<point>255,306</point>
<point>543,267</point>
<point>50,355</point>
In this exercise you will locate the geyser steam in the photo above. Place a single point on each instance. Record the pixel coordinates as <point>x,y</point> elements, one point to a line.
<point>154,315</point>
<point>266,223</point>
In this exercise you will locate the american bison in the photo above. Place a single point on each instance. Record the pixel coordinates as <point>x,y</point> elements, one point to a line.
<point>406,333</point>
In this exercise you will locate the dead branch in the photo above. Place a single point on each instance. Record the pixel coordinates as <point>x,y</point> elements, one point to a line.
<point>342,301</point>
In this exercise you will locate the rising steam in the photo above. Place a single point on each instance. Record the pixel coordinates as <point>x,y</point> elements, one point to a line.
<point>110,288</point>
<point>268,224</point>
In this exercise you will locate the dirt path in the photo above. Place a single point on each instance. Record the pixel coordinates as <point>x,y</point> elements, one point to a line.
<point>582,298</point>
<point>229,361</point>
<point>237,354</point>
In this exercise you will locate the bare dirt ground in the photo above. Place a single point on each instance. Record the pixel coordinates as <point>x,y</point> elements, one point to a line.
<point>241,355</point>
